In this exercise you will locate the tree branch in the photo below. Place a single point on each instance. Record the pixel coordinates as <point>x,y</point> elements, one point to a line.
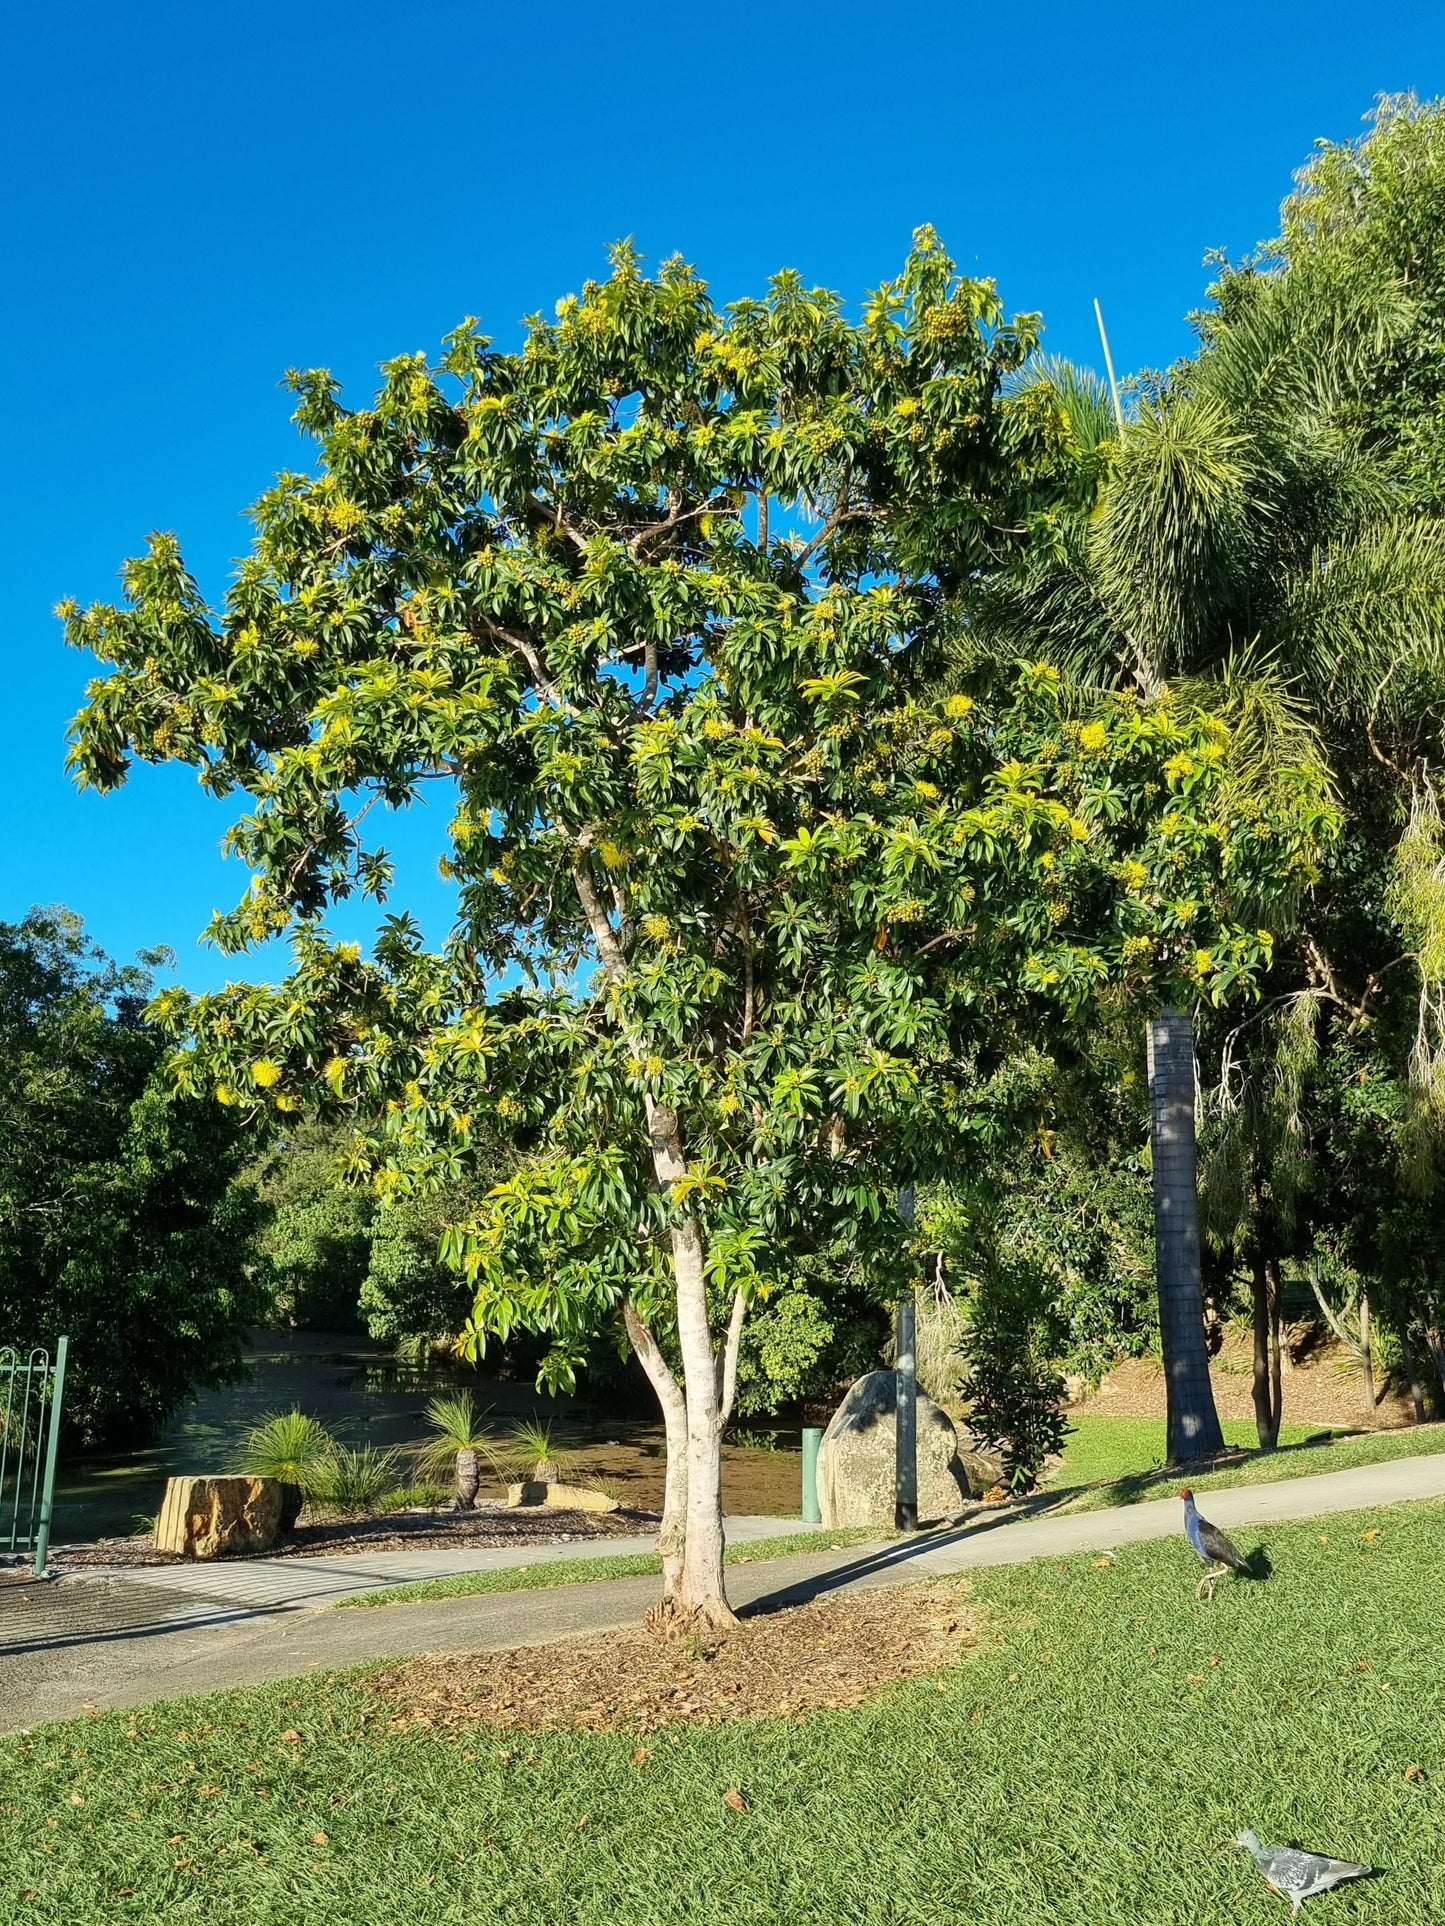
<point>543,682</point>
<point>728,1358</point>
<point>603,934</point>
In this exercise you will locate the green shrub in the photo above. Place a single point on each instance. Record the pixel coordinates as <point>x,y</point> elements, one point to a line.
<point>356,1481</point>
<point>418,1497</point>
<point>1010,1378</point>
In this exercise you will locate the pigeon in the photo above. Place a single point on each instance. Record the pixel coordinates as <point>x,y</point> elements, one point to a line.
<point>1299,1875</point>
<point>1217,1551</point>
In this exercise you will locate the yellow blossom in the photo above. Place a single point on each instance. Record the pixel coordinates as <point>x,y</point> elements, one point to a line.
<point>266,1071</point>
<point>958,706</point>
<point>1093,736</point>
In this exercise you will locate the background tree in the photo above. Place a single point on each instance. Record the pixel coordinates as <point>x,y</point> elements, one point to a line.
<point>664,595</point>
<point>1249,530</point>
<point>124,1220</point>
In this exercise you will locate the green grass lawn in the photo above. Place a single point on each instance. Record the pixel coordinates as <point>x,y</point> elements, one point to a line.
<point>1129,1453</point>
<point>1091,1763</point>
<point>578,1571</point>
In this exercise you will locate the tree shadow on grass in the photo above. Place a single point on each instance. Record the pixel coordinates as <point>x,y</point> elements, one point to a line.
<point>1162,1481</point>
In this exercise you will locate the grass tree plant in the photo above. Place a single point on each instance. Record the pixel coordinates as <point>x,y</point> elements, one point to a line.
<point>458,1444</point>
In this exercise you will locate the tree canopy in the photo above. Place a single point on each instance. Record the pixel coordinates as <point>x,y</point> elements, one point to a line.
<point>123,1221</point>
<point>752,905</point>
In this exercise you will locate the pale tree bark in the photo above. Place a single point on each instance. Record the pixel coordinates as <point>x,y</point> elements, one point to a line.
<point>697,1596</point>
<point>673,1536</point>
<point>1367,1355</point>
<point>1193,1422</point>
<point>702,1595</point>
<point>1360,1347</point>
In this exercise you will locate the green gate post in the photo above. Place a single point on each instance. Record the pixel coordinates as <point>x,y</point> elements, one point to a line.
<point>812,1439</point>
<point>52,1446</point>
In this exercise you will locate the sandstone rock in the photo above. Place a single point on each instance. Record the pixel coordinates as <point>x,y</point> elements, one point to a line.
<point>535,1491</point>
<point>856,1461</point>
<point>579,1498</point>
<point>984,1466</point>
<point>219,1517</point>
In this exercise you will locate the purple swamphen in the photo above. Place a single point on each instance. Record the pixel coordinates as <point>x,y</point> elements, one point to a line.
<point>1217,1551</point>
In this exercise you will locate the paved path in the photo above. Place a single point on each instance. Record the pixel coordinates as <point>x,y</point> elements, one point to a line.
<point>82,1665</point>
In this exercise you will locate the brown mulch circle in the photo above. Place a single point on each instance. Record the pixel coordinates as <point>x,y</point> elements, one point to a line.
<point>823,1656</point>
<point>487,1526</point>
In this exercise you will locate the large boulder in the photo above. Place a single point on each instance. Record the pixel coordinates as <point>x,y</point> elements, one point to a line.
<point>220,1517</point>
<point>856,1462</point>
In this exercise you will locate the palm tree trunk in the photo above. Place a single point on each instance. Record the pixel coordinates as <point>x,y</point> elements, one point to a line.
<point>1193,1422</point>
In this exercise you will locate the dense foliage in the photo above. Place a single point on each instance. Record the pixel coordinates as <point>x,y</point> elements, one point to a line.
<point>664,596</point>
<point>123,1221</point>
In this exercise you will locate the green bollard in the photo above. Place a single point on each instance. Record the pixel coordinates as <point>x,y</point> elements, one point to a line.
<point>812,1511</point>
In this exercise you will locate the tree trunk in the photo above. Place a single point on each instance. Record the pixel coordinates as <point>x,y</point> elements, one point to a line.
<point>1276,1348</point>
<point>468,1478</point>
<point>1367,1356</point>
<point>1416,1376</point>
<point>1435,1340</point>
<point>1193,1422</point>
<point>1267,1398</point>
<point>700,1600</point>
<point>702,1596</point>
<point>673,1535</point>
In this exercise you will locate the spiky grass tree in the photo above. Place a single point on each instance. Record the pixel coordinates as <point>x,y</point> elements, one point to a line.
<point>458,1443</point>
<point>1237,534</point>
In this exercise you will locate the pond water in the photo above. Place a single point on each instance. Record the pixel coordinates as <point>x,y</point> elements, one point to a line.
<point>363,1395</point>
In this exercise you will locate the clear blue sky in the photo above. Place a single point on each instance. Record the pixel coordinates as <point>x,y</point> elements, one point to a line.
<point>198,196</point>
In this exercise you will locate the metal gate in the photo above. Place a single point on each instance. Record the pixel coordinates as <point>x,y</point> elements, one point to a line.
<point>31,1388</point>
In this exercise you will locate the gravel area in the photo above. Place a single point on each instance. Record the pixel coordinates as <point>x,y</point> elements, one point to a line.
<point>488,1527</point>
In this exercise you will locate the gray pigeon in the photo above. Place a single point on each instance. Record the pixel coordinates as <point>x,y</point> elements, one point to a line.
<point>1298,1875</point>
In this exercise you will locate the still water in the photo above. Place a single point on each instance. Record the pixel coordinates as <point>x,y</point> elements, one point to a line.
<point>363,1395</point>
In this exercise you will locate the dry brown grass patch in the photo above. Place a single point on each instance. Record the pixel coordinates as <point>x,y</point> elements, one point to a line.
<point>824,1656</point>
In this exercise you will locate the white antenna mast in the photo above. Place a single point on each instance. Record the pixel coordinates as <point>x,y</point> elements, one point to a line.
<point>1109,364</point>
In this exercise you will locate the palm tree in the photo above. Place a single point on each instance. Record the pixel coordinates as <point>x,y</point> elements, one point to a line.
<point>1236,533</point>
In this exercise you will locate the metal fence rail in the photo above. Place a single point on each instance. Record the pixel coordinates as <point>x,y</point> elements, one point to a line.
<point>31,1388</point>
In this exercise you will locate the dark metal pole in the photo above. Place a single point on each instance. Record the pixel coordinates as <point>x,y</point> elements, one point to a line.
<point>905,1398</point>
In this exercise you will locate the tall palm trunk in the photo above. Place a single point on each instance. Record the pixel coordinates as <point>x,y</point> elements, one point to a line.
<point>1193,1422</point>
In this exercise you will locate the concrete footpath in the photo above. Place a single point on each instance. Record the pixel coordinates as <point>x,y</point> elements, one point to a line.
<point>64,1651</point>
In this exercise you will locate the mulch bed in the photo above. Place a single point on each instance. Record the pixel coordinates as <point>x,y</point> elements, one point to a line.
<point>488,1526</point>
<point>823,1656</point>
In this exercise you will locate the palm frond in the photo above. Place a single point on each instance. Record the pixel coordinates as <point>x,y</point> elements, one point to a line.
<point>1366,620</point>
<point>1183,519</point>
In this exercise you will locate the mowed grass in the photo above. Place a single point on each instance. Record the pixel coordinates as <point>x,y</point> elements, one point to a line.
<point>1090,1763</point>
<point>1120,1461</point>
<point>578,1571</point>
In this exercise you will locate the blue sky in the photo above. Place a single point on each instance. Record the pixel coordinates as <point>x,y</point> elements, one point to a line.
<point>198,197</point>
